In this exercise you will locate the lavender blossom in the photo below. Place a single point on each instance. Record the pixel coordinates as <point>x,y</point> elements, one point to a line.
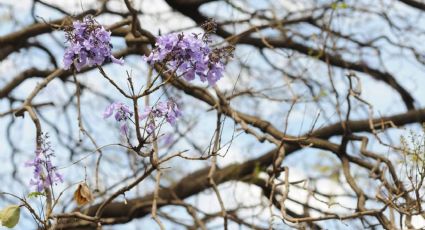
<point>90,44</point>
<point>190,56</point>
<point>122,114</point>
<point>173,112</point>
<point>45,174</point>
<point>150,127</point>
<point>165,110</point>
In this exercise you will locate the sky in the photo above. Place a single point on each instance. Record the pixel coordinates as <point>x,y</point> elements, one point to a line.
<point>379,95</point>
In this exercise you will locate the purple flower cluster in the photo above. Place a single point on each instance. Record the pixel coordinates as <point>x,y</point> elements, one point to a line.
<point>167,110</point>
<point>122,114</point>
<point>45,174</point>
<point>190,56</point>
<point>90,44</point>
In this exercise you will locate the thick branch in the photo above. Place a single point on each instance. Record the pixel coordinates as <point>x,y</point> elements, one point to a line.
<point>197,181</point>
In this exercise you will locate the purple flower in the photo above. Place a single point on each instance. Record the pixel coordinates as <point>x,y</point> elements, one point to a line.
<point>150,128</point>
<point>122,111</point>
<point>122,114</point>
<point>45,173</point>
<point>160,109</point>
<point>173,112</point>
<point>190,56</point>
<point>167,110</point>
<point>90,44</point>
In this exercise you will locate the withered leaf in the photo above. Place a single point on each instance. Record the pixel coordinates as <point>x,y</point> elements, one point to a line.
<point>83,194</point>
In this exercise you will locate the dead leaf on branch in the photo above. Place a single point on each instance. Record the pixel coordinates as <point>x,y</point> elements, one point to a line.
<point>83,194</point>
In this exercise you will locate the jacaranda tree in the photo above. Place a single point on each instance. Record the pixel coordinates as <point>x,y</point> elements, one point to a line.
<point>212,114</point>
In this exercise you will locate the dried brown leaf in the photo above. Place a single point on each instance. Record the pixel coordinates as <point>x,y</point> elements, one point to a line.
<point>83,194</point>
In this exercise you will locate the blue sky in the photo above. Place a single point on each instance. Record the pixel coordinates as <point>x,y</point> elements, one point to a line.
<point>378,94</point>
